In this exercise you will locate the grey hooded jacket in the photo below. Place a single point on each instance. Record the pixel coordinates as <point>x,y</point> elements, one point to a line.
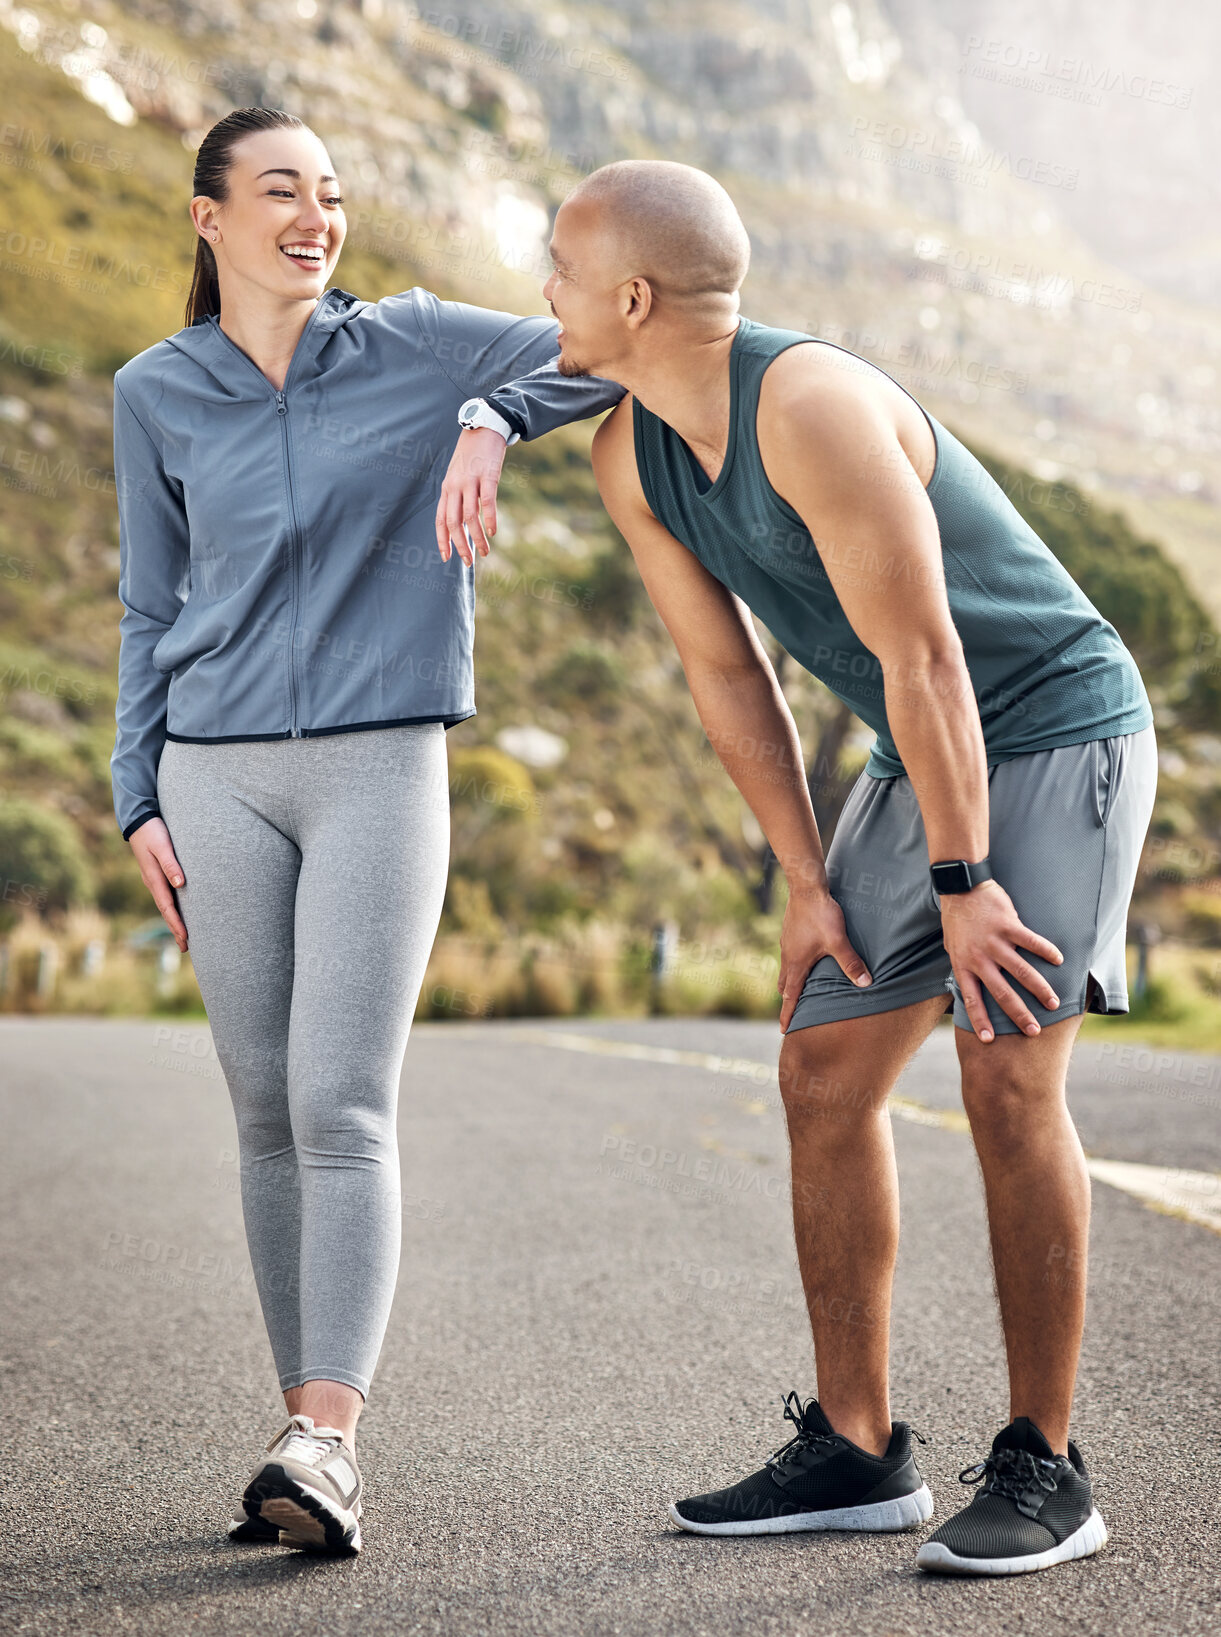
<point>278,565</point>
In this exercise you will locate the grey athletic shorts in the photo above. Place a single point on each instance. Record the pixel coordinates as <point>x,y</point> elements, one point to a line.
<point>1066,830</point>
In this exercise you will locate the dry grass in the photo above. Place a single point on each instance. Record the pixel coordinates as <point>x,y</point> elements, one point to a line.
<point>598,969</point>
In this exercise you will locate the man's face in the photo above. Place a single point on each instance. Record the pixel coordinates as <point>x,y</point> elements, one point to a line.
<point>588,307</point>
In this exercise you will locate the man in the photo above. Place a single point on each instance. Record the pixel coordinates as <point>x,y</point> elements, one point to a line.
<point>989,847</point>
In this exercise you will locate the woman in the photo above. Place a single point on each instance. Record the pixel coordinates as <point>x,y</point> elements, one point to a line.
<point>292,651</point>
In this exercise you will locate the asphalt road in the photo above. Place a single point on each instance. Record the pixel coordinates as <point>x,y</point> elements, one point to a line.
<point>597,1310</point>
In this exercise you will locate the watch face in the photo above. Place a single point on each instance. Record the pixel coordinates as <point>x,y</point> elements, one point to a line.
<point>953,876</point>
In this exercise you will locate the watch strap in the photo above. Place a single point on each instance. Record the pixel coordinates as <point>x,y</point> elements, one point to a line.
<point>477,412</point>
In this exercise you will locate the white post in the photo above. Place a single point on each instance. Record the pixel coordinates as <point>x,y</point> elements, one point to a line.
<point>168,963</point>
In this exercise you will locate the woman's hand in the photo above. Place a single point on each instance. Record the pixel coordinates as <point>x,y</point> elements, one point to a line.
<point>980,929</point>
<point>155,854</point>
<point>813,927</point>
<point>469,488</point>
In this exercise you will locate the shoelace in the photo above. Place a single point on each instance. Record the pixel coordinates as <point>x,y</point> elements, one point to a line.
<point>795,1411</point>
<point>310,1447</point>
<point>1011,1472</point>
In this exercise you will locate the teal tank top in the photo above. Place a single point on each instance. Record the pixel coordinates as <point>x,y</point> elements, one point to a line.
<point>1047,669</point>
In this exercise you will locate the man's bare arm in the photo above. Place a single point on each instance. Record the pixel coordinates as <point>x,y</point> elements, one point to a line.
<point>741,706</point>
<point>830,447</point>
<point>731,679</point>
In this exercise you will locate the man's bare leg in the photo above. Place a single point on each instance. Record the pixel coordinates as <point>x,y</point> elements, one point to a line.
<point>834,1080</point>
<point>1038,1193</point>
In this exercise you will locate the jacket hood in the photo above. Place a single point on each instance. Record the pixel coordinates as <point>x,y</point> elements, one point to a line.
<point>207,344</point>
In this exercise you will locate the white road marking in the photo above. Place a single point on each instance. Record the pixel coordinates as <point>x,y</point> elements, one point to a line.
<point>1194,1196</point>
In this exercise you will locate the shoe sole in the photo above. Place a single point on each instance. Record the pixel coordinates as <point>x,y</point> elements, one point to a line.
<point>254,1532</point>
<point>904,1512</point>
<point>937,1558</point>
<point>310,1519</point>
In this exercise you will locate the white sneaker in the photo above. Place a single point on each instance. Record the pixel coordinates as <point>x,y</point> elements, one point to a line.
<point>308,1488</point>
<point>244,1531</point>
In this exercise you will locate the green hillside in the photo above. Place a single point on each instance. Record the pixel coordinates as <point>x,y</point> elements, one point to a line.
<point>637,823</point>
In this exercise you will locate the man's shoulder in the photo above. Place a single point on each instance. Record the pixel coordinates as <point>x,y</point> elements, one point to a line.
<point>828,402</point>
<point>613,448</point>
<point>813,376</point>
<point>808,406</point>
<point>613,453</point>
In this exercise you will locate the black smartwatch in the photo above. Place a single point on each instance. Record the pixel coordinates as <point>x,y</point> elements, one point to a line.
<point>956,875</point>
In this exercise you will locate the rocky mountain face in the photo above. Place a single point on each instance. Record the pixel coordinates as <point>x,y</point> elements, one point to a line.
<point>889,211</point>
<point>1125,96</point>
<point>1006,206</point>
<point>918,181</point>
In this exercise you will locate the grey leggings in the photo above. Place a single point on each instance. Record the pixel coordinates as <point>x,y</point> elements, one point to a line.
<point>315,871</point>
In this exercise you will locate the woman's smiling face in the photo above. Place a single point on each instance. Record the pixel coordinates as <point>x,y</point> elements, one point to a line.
<point>282,226</point>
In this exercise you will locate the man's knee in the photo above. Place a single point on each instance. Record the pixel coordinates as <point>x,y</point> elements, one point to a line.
<point>997,1099</point>
<point>840,1073</point>
<point>821,1080</point>
<point>1008,1097</point>
<point>1013,1081</point>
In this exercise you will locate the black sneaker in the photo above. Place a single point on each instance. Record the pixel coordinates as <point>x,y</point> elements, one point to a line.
<point>1034,1509</point>
<point>819,1480</point>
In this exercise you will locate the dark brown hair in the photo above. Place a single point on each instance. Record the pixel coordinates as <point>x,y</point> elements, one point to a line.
<point>212,164</point>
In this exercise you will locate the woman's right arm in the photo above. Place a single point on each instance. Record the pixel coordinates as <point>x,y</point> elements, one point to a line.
<point>154,575</point>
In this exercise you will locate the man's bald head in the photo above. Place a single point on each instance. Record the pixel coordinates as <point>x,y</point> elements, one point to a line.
<point>670,224</point>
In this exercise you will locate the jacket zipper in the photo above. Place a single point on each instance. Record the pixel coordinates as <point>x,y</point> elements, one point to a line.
<point>282,412</point>
<point>294,536</point>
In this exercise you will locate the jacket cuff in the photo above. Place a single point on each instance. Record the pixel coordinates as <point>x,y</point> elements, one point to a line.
<point>515,421</point>
<point>141,818</point>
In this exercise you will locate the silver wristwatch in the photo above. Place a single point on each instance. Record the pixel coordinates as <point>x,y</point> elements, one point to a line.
<point>477,412</point>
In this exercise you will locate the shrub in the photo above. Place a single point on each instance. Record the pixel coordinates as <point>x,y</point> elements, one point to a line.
<point>42,863</point>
